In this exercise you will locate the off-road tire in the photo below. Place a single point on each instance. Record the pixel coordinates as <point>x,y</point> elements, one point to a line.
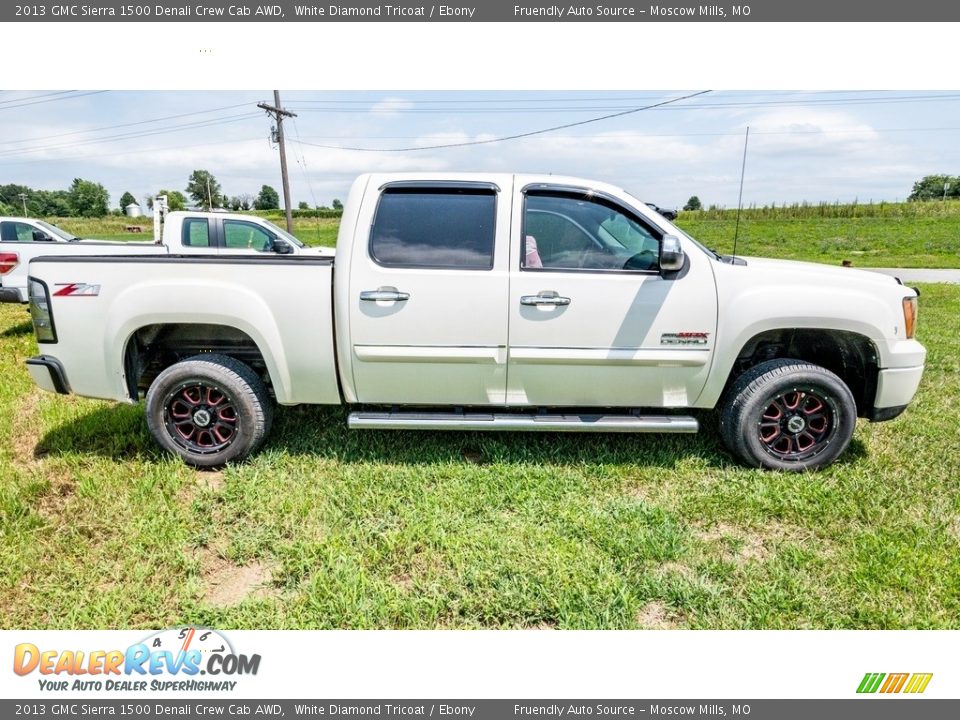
<point>787,415</point>
<point>210,410</point>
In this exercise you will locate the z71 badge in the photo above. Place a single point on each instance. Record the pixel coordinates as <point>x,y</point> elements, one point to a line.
<point>684,338</point>
<point>76,290</point>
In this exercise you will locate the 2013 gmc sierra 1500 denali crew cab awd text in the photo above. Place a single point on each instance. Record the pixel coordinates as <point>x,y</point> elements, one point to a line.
<point>494,301</point>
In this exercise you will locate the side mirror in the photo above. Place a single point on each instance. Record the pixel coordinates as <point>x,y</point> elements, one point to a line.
<point>41,236</point>
<point>671,254</point>
<point>282,247</point>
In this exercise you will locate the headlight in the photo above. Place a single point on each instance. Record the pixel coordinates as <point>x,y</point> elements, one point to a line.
<point>40,312</point>
<point>910,315</point>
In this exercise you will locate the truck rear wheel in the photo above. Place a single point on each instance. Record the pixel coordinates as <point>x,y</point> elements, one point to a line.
<point>788,415</point>
<point>209,409</point>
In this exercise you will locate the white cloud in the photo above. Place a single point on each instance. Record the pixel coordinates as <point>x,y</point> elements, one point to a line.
<point>391,106</point>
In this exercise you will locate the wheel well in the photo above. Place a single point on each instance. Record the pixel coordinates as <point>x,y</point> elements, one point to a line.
<point>851,356</point>
<point>153,348</point>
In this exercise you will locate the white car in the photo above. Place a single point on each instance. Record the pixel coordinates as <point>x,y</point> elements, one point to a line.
<point>485,302</point>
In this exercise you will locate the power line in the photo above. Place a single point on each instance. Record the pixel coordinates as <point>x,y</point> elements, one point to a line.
<point>122,125</point>
<point>55,99</point>
<point>373,107</point>
<point>134,135</point>
<point>617,135</point>
<point>534,99</point>
<point>519,135</point>
<point>33,97</point>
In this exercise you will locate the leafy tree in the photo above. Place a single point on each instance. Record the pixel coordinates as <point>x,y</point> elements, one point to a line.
<point>931,187</point>
<point>203,187</point>
<point>268,199</point>
<point>88,199</point>
<point>304,205</point>
<point>176,200</point>
<point>337,205</point>
<point>51,203</point>
<point>126,199</point>
<point>693,203</point>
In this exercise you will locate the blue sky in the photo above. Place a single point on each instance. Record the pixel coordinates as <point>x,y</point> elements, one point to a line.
<point>869,145</point>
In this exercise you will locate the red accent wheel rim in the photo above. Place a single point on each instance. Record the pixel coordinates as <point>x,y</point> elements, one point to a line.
<point>201,418</point>
<point>797,424</point>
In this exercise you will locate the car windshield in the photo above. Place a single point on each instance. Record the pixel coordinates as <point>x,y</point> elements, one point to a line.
<point>54,230</point>
<point>283,233</point>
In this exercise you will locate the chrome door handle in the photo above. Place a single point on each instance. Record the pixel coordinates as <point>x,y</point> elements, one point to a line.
<point>375,295</point>
<point>548,297</point>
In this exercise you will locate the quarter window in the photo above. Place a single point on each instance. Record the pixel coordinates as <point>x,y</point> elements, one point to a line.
<point>441,228</point>
<point>580,231</point>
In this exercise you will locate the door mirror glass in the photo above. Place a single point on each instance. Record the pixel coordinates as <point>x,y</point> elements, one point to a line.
<point>671,254</point>
<point>282,247</point>
<point>41,236</point>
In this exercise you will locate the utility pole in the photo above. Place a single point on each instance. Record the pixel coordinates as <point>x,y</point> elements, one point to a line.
<point>23,199</point>
<point>279,114</point>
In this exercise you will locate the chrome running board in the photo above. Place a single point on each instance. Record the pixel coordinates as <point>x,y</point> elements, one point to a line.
<point>522,422</point>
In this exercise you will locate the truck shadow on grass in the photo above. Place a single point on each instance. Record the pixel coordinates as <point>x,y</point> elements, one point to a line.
<point>19,330</point>
<point>120,433</point>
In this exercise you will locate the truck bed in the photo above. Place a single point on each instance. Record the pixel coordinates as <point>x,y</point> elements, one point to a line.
<point>104,306</point>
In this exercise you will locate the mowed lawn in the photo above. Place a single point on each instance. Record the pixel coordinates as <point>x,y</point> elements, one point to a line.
<point>328,528</point>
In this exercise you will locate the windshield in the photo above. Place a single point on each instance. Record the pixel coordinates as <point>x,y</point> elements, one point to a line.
<point>283,233</point>
<point>54,230</point>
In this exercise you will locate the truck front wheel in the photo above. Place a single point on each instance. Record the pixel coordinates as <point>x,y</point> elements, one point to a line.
<point>209,409</point>
<point>788,415</point>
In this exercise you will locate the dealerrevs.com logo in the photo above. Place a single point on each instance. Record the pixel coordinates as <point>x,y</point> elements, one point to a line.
<point>179,659</point>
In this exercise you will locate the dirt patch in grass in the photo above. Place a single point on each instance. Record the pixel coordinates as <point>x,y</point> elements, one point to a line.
<point>402,580</point>
<point>212,480</point>
<point>678,568</point>
<point>226,583</point>
<point>954,528</point>
<point>740,545</point>
<point>656,615</point>
<point>61,489</point>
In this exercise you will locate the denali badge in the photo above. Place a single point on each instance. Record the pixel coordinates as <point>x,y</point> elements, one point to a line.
<point>684,338</point>
<point>77,290</point>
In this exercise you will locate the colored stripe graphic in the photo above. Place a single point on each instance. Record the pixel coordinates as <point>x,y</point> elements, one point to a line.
<point>870,682</point>
<point>894,683</point>
<point>918,683</point>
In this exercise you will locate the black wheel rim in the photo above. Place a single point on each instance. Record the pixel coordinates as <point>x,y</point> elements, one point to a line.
<point>797,424</point>
<point>201,418</point>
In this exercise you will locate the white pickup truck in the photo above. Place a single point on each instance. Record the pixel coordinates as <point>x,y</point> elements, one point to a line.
<point>183,233</point>
<point>485,302</point>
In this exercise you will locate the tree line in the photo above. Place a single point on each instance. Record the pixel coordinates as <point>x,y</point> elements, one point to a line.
<point>85,198</point>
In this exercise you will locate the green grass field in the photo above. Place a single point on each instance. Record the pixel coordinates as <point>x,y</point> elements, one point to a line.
<point>327,528</point>
<point>876,235</point>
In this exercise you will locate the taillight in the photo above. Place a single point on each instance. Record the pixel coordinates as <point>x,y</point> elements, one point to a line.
<point>41,313</point>
<point>910,315</point>
<point>8,261</point>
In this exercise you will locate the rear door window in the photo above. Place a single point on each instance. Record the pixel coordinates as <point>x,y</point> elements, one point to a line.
<point>435,228</point>
<point>16,232</point>
<point>196,232</point>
